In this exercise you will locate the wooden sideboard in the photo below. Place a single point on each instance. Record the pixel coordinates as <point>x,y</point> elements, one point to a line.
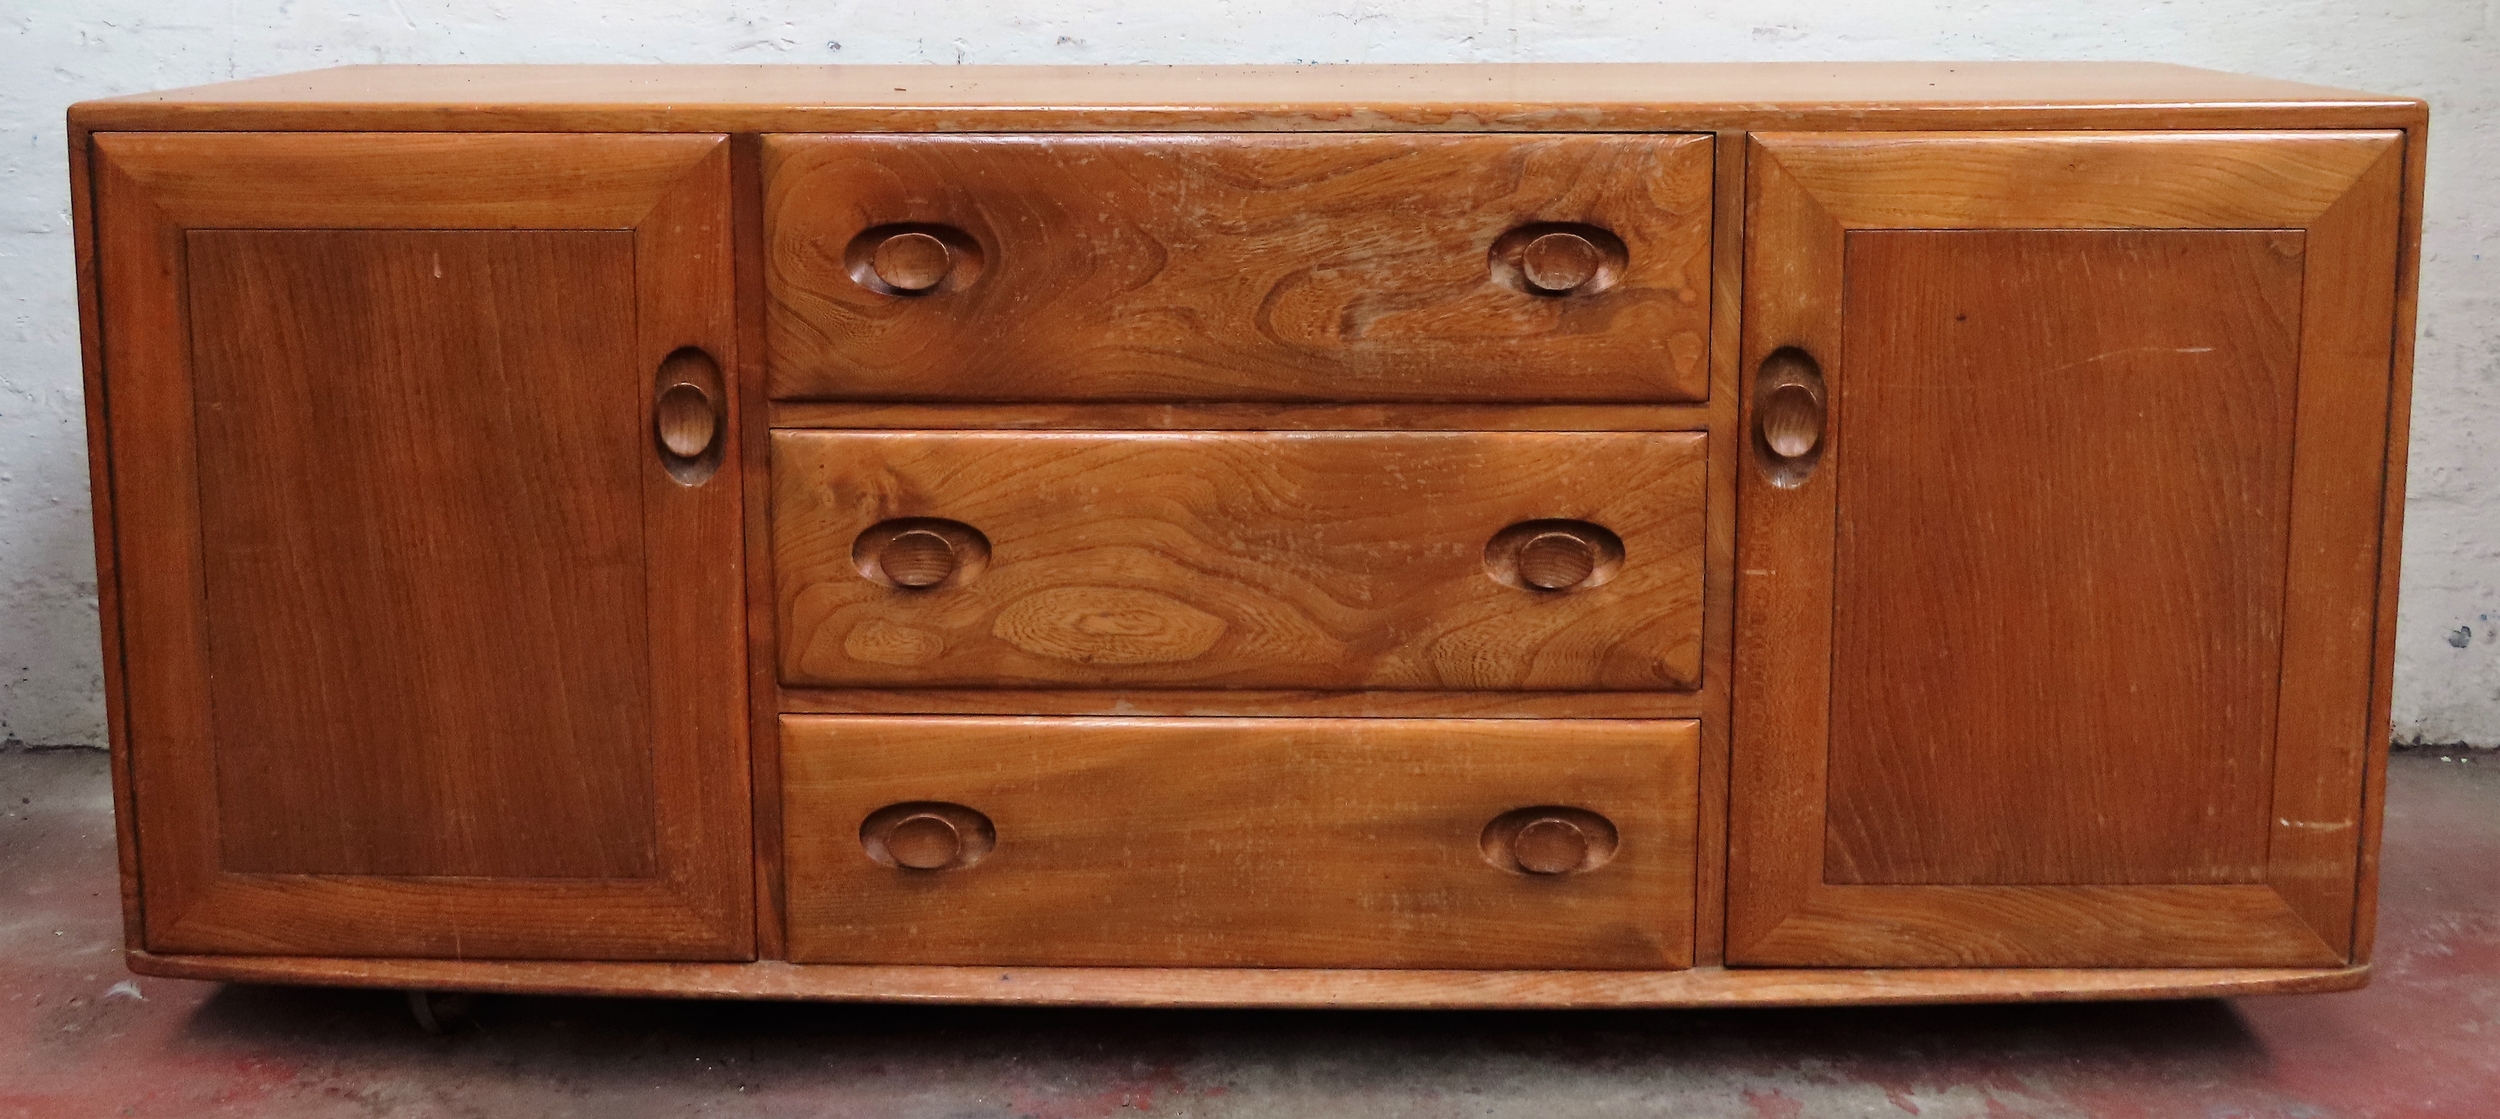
<point>1355,536</point>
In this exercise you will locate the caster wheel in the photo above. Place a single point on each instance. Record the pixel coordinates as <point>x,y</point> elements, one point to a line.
<point>441,1012</point>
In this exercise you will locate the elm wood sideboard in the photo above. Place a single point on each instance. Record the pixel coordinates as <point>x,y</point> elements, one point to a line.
<point>1386,536</point>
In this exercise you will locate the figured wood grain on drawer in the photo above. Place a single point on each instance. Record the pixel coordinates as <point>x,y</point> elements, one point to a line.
<point>1241,559</point>
<point>1243,842</point>
<point>1237,267</point>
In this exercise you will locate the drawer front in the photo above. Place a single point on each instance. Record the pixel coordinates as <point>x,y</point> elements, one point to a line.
<point>1239,267</point>
<point>1333,560</point>
<point>1494,843</point>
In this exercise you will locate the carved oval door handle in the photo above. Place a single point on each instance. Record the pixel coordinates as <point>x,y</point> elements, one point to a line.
<point>918,553</point>
<point>1792,421</point>
<point>686,420</point>
<point>912,261</point>
<point>1789,415</point>
<point>927,835</point>
<point>1550,840</point>
<point>687,415</point>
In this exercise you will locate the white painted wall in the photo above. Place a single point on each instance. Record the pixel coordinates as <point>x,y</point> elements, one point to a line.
<point>53,52</point>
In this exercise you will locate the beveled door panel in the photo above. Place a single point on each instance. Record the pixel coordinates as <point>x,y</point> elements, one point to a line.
<point>2055,649</point>
<point>1413,560</point>
<point>370,405</point>
<point>2062,638</point>
<point>1235,842</point>
<point>1239,267</point>
<point>433,641</point>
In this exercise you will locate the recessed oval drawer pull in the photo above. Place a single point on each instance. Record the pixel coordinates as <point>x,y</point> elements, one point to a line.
<point>1553,556</point>
<point>1558,263</point>
<point>918,553</point>
<point>912,261</point>
<point>924,842</point>
<point>1550,840</point>
<point>917,558</point>
<point>927,835</point>
<point>1551,561</point>
<point>1550,259</point>
<point>1549,845</point>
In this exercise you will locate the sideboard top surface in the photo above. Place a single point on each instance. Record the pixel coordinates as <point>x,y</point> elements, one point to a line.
<point>1456,97</point>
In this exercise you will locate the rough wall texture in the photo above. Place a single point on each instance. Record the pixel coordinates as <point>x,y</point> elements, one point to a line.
<point>2448,667</point>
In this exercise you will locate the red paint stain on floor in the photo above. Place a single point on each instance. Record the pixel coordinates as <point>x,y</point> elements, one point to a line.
<point>1773,1104</point>
<point>1133,1093</point>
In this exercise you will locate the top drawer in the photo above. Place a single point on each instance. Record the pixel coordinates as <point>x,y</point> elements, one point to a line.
<point>1239,267</point>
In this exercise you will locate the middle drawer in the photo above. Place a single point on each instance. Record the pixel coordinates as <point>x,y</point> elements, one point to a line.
<point>1334,560</point>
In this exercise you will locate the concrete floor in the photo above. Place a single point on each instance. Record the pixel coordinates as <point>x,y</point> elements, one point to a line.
<point>79,1036</point>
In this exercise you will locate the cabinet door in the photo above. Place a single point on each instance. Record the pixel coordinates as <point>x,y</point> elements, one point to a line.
<point>2060,546</point>
<point>431,625</point>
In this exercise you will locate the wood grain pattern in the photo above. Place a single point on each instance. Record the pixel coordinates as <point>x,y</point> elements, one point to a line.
<point>2391,534</point>
<point>1232,267</point>
<point>1473,97</point>
<point>2339,484</point>
<point>372,406</point>
<point>2056,653</point>
<point>1783,625</point>
<point>1718,640</point>
<point>1321,560</point>
<point>83,239</point>
<point>1240,842</point>
<point>1315,988</point>
<point>753,448</point>
<point>2079,180</point>
<point>1204,416</point>
<point>224,347</point>
<point>1809,196</point>
<point>385,181</point>
<point>1698,704</point>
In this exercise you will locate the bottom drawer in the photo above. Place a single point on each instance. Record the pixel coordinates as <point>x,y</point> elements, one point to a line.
<point>1470,843</point>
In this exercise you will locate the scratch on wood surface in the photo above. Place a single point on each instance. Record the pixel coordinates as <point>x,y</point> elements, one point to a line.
<point>2132,350</point>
